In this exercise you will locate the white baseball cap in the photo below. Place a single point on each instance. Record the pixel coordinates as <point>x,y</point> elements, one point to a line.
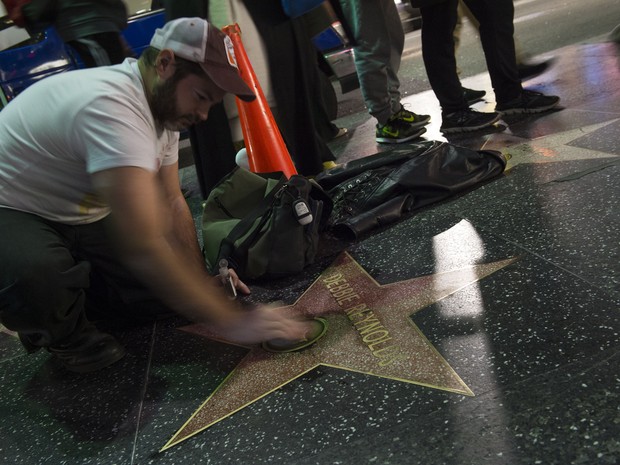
<point>196,40</point>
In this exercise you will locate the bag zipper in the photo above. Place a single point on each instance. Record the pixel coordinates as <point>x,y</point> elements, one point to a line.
<point>222,207</point>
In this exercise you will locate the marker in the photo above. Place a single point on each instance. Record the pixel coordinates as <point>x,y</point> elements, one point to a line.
<point>226,278</point>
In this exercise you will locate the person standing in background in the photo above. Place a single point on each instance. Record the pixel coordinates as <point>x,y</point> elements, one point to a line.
<point>213,148</point>
<point>527,68</point>
<point>291,62</point>
<point>495,18</point>
<point>91,27</point>
<point>379,40</point>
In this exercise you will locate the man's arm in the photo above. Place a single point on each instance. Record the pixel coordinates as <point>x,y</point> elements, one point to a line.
<point>183,229</point>
<point>143,224</point>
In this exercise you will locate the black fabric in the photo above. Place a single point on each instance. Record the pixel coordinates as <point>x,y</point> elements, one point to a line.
<point>52,274</point>
<point>295,81</point>
<point>185,9</point>
<point>212,148</point>
<point>423,3</point>
<point>496,36</point>
<point>111,46</point>
<point>38,15</point>
<point>374,191</point>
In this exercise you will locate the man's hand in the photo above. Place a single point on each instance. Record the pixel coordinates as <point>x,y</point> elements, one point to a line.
<point>265,323</point>
<point>239,285</point>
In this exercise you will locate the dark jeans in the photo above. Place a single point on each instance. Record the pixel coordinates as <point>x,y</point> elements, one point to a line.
<point>496,35</point>
<point>53,274</point>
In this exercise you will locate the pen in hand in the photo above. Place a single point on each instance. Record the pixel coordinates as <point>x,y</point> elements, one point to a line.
<point>226,279</point>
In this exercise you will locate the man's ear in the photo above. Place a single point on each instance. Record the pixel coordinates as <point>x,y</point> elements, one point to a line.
<point>164,64</point>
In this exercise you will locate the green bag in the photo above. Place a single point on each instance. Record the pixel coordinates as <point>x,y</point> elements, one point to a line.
<point>255,222</point>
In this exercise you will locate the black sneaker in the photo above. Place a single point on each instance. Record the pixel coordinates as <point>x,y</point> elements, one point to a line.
<point>91,350</point>
<point>467,121</point>
<point>528,102</point>
<point>530,70</point>
<point>472,96</point>
<point>410,118</point>
<point>397,132</point>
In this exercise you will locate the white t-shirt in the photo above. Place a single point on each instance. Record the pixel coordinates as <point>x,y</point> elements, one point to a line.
<point>59,131</point>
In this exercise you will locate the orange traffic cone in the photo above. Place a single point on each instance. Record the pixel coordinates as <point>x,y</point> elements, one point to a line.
<point>266,149</point>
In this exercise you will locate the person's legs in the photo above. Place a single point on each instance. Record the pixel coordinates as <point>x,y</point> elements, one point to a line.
<point>293,75</point>
<point>42,284</point>
<point>379,40</point>
<point>213,149</point>
<point>496,34</point>
<point>42,292</point>
<point>438,22</point>
<point>471,95</point>
<point>377,54</point>
<point>497,37</point>
<point>396,38</point>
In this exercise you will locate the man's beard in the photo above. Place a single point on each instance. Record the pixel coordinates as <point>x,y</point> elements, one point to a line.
<point>163,105</point>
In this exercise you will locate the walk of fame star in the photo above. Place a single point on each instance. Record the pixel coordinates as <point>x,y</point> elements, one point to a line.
<point>370,332</point>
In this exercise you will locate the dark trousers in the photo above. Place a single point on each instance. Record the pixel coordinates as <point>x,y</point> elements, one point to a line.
<point>212,148</point>
<point>53,274</point>
<point>295,80</point>
<point>496,35</point>
<point>102,49</point>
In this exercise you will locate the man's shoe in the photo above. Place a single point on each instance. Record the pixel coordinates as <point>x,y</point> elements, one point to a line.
<point>472,96</point>
<point>397,132</point>
<point>467,120</point>
<point>528,102</point>
<point>91,350</point>
<point>529,70</point>
<point>410,118</point>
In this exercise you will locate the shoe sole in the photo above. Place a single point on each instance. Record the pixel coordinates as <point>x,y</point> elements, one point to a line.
<point>386,140</point>
<point>419,124</point>
<point>95,366</point>
<point>528,111</point>
<point>470,128</point>
<point>474,100</point>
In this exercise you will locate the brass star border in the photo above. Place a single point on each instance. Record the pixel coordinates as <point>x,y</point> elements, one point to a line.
<point>370,332</point>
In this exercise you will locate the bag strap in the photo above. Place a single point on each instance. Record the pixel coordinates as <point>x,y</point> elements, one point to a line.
<point>228,243</point>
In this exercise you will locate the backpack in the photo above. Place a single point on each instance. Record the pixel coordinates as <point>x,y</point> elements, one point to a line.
<point>264,225</point>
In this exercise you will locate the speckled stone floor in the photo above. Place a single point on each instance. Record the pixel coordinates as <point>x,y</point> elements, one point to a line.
<point>506,298</point>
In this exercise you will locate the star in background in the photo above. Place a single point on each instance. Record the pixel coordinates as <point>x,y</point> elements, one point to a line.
<point>370,331</point>
<point>552,146</point>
